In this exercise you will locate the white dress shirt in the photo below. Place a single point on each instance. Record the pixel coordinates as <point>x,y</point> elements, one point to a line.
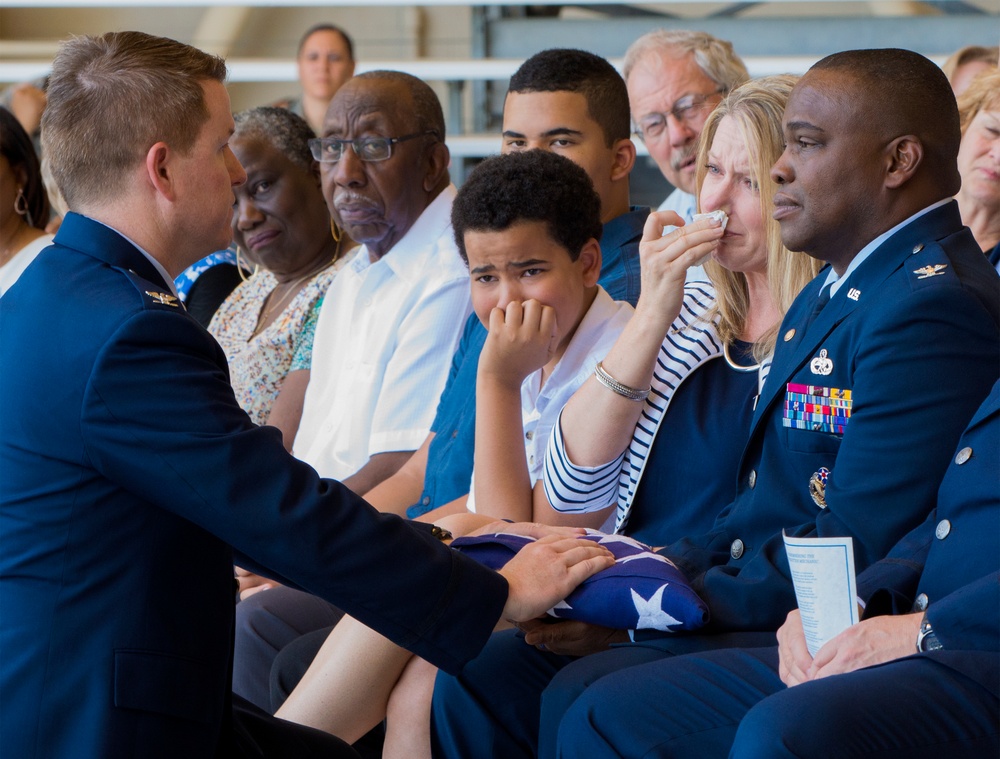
<point>384,341</point>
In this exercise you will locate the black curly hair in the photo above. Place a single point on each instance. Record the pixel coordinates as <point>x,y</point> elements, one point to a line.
<point>533,185</point>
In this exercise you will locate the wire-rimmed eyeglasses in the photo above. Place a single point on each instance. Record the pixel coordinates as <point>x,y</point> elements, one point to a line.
<point>653,125</point>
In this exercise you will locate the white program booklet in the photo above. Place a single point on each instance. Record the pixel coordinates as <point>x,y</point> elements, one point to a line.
<point>825,586</point>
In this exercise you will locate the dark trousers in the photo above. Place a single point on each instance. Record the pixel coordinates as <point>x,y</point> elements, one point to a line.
<point>732,703</point>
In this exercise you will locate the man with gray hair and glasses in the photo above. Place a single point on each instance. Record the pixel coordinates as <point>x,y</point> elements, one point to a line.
<point>674,79</point>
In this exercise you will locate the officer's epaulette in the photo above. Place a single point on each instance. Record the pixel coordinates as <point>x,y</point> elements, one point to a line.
<point>153,296</point>
<point>928,265</point>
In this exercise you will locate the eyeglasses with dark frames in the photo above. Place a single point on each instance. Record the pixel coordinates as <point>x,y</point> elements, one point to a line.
<point>331,149</point>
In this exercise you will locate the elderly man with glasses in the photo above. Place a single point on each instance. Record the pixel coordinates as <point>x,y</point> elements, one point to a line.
<point>674,79</point>
<point>388,326</point>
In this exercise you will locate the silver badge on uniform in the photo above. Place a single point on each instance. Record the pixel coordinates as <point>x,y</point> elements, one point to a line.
<point>821,364</point>
<point>817,486</point>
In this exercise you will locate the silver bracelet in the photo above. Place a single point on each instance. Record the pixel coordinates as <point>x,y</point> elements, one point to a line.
<point>616,387</point>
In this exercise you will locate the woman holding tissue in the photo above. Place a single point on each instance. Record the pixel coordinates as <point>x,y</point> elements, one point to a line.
<point>699,352</point>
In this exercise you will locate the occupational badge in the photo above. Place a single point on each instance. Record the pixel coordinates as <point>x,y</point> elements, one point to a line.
<point>164,299</point>
<point>817,486</point>
<point>931,270</point>
<point>821,364</point>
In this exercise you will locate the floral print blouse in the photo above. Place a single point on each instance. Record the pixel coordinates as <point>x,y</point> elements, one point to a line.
<point>259,363</point>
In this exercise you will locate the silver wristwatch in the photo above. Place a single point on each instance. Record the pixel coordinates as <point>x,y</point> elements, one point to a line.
<point>927,639</point>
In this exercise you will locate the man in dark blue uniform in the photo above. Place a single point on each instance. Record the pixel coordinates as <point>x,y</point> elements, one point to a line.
<point>127,469</point>
<point>880,363</point>
<point>919,676</point>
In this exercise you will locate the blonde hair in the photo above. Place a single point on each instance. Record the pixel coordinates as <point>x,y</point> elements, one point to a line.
<point>756,109</point>
<point>111,98</point>
<point>983,93</point>
<point>969,54</point>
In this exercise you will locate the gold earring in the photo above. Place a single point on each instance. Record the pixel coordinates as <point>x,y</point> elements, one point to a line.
<point>338,235</point>
<point>239,265</point>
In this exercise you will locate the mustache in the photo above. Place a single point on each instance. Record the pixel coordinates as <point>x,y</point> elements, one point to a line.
<point>348,198</point>
<point>679,158</point>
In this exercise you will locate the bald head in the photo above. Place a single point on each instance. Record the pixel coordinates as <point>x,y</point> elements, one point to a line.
<point>897,92</point>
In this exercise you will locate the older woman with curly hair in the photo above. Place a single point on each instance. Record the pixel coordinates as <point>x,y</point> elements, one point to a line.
<point>281,219</point>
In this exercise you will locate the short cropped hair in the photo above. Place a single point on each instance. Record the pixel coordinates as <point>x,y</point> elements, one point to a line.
<point>427,113</point>
<point>970,54</point>
<point>982,94</point>
<point>286,131</point>
<point>564,70</point>
<point>533,185</point>
<point>716,58</point>
<point>16,147</point>
<point>327,28</point>
<point>901,92</point>
<point>756,109</point>
<point>110,98</point>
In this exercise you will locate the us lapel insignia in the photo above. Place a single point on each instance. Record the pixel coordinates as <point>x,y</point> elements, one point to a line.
<point>854,293</point>
<point>821,364</point>
<point>817,486</point>
<point>163,299</point>
<point>931,270</point>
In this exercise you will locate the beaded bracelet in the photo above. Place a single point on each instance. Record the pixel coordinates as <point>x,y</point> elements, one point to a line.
<point>631,393</point>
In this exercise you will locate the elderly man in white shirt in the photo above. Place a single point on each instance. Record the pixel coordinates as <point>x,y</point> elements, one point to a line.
<point>674,79</point>
<point>387,329</point>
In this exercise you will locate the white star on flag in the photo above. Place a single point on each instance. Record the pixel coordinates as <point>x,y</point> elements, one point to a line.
<point>646,555</point>
<point>651,614</point>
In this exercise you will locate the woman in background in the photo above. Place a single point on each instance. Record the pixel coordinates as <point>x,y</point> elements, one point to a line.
<point>968,62</point>
<point>24,204</point>
<point>979,162</point>
<point>325,61</point>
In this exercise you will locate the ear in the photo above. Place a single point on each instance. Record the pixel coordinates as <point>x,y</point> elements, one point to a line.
<point>624,159</point>
<point>20,176</point>
<point>590,262</point>
<point>159,170</point>
<point>438,158</point>
<point>903,156</point>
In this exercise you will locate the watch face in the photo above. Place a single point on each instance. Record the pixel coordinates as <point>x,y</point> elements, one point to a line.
<point>926,639</point>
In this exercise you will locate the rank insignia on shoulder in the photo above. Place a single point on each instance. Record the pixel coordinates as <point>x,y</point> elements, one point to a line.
<point>932,270</point>
<point>817,486</point>
<point>164,299</point>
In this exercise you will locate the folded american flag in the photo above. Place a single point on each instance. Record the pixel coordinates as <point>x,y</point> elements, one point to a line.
<point>642,591</point>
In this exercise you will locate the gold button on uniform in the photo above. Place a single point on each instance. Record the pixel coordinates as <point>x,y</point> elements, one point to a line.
<point>736,549</point>
<point>963,455</point>
<point>943,529</point>
<point>789,335</point>
<point>917,248</point>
